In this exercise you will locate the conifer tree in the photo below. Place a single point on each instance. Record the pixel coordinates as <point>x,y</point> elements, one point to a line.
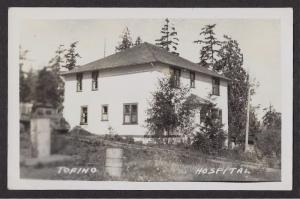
<point>55,65</point>
<point>209,46</point>
<point>25,89</point>
<point>138,41</point>
<point>71,56</point>
<point>169,39</point>
<point>126,41</point>
<point>230,63</point>
<point>46,88</point>
<point>58,60</point>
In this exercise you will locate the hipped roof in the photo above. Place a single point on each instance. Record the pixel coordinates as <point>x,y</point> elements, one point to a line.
<point>143,54</point>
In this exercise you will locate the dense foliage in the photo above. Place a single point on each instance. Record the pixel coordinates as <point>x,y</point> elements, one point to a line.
<point>46,89</point>
<point>272,118</point>
<point>25,87</point>
<point>269,139</point>
<point>55,65</point>
<point>170,112</point>
<point>211,136</point>
<point>226,57</point>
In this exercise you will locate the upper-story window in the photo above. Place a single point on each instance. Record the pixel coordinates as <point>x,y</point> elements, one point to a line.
<point>176,77</point>
<point>79,82</point>
<point>215,86</point>
<point>95,80</point>
<point>192,79</point>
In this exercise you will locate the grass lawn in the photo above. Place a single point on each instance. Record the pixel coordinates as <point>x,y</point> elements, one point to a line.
<point>141,163</point>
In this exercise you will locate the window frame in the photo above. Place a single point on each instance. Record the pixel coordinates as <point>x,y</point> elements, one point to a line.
<point>81,115</point>
<point>130,114</point>
<point>192,80</point>
<point>95,80</point>
<point>104,105</point>
<point>176,82</point>
<point>79,77</point>
<point>219,114</point>
<point>216,86</point>
<point>210,114</point>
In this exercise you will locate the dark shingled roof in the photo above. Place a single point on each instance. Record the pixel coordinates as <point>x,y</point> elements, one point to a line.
<point>141,54</point>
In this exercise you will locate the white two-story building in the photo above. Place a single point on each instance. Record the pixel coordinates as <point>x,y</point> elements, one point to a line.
<point>113,93</point>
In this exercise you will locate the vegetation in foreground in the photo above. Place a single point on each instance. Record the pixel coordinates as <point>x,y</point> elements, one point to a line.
<point>141,162</point>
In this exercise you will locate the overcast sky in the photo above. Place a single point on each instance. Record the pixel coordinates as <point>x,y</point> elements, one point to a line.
<point>259,41</point>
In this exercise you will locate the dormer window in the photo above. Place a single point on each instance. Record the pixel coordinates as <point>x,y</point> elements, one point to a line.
<point>215,86</point>
<point>95,80</point>
<point>79,82</point>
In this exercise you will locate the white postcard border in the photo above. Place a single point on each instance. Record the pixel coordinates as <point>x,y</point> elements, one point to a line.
<point>16,15</point>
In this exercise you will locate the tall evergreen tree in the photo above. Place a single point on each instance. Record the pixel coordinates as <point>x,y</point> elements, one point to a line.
<point>138,41</point>
<point>170,111</point>
<point>230,63</point>
<point>55,65</point>
<point>169,39</point>
<point>71,56</point>
<point>46,88</point>
<point>126,41</point>
<point>25,89</point>
<point>272,118</point>
<point>58,60</point>
<point>209,46</point>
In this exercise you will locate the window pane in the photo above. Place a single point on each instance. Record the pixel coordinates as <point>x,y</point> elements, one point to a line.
<point>133,109</point>
<point>126,109</point>
<point>84,115</point>
<point>214,113</point>
<point>104,117</point>
<point>133,118</point>
<point>94,80</point>
<point>220,115</point>
<point>126,119</point>
<point>104,109</point>
<point>192,77</point>
<point>216,86</point>
<point>79,81</point>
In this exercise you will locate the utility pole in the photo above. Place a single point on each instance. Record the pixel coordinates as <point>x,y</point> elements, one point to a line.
<point>248,113</point>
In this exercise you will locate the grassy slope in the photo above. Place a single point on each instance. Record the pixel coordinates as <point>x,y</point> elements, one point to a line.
<point>141,163</point>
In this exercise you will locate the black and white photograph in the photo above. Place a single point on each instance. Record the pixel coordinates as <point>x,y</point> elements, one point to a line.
<point>168,98</point>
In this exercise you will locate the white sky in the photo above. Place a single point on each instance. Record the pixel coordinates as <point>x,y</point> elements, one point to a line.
<point>259,41</point>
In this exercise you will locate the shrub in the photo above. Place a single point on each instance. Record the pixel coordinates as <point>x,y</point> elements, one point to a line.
<point>269,143</point>
<point>169,113</point>
<point>211,137</point>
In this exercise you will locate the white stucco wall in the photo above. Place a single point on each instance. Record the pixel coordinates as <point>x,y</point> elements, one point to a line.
<point>132,84</point>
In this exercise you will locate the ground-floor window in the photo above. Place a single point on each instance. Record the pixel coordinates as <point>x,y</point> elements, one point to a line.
<point>130,113</point>
<point>104,113</point>
<point>214,113</point>
<point>84,115</point>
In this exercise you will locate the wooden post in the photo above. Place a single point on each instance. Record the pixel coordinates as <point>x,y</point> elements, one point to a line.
<point>248,118</point>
